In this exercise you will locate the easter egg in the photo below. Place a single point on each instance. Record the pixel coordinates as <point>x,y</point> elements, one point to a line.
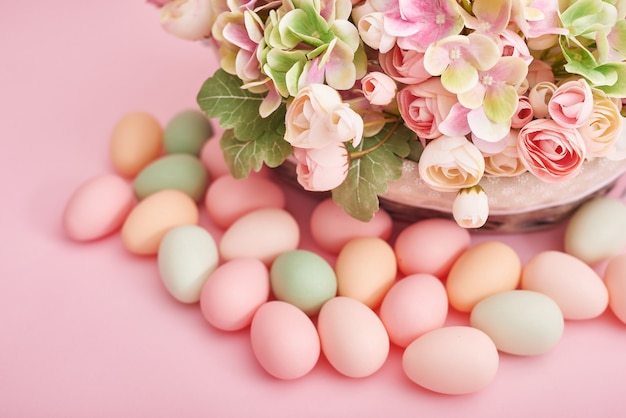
<point>597,230</point>
<point>366,270</point>
<point>520,322</point>
<point>414,305</point>
<point>353,338</point>
<point>187,132</point>
<point>332,227</point>
<point>97,208</point>
<point>153,217</point>
<point>284,340</point>
<point>483,270</point>
<point>430,246</point>
<point>177,171</point>
<point>187,255</point>
<point>572,284</point>
<point>233,293</point>
<point>213,159</point>
<point>264,234</point>
<point>228,199</point>
<point>615,281</point>
<point>453,360</point>
<point>136,141</point>
<point>303,279</point>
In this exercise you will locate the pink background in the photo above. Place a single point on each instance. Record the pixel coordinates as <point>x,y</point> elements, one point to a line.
<point>88,330</point>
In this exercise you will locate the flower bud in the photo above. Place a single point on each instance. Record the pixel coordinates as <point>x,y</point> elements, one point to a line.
<point>471,207</point>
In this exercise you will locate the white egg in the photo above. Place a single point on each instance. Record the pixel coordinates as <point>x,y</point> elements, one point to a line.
<point>187,256</point>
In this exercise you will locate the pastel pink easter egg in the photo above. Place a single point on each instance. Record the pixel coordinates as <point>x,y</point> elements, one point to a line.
<point>98,208</point>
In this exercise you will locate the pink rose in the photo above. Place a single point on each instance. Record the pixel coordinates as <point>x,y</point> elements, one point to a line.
<point>523,114</point>
<point>539,71</point>
<point>550,151</point>
<point>317,117</point>
<point>404,65</point>
<point>424,106</point>
<point>378,88</point>
<point>571,104</point>
<point>321,169</point>
<point>188,19</point>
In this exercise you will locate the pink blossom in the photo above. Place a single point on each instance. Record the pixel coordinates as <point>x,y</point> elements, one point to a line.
<point>513,45</point>
<point>423,106</point>
<point>571,104</point>
<point>404,65</point>
<point>317,117</point>
<point>378,88</point>
<point>321,169</point>
<point>523,114</point>
<point>550,151</point>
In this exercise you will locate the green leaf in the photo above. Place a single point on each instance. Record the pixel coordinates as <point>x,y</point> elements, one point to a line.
<point>249,140</point>
<point>618,70</point>
<point>368,175</point>
<point>244,156</point>
<point>222,97</point>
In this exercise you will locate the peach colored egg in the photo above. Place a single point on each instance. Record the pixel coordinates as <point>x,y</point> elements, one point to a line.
<point>354,339</point>
<point>332,228</point>
<point>136,140</point>
<point>366,270</point>
<point>414,305</point>
<point>452,360</point>
<point>284,340</point>
<point>264,234</point>
<point>153,217</point>
<point>228,199</point>
<point>430,246</point>
<point>98,208</point>
<point>213,159</point>
<point>615,281</point>
<point>234,292</point>
<point>483,270</point>
<point>575,287</point>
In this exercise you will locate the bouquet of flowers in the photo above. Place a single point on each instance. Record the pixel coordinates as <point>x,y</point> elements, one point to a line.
<point>349,89</point>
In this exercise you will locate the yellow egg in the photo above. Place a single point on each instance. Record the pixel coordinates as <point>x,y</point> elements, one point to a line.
<point>136,141</point>
<point>366,269</point>
<point>153,217</point>
<point>483,270</point>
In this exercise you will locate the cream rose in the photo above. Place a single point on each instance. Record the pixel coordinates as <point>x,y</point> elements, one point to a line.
<point>603,126</point>
<point>539,97</point>
<point>188,19</point>
<point>450,163</point>
<point>549,151</point>
<point>506,162</point>
<point>378,88</point>
<point>321,169</point>
<point>317,118</point>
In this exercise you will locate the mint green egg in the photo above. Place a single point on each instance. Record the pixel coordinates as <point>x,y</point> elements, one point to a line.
<point>182,172</point>
<point>186,133</point>
<point>303,279</point>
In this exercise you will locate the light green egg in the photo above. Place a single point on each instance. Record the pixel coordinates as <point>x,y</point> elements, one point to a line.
<point>186,133</point>
<point>303,279</point>
<point>182,172</point>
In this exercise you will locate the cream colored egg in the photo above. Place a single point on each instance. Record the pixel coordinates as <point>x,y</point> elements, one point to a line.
<point>572,284</point>
<point>136,141</point>
<point>353,338</point>
<point>187,256</point>
<point>615,280</point>
<point>520,322</point>
<point>452,360</point>
<point>597,230</point>
<point>366,269</point>
<point>263,234</point>
<point>483,270</point>
<point>153,217</point>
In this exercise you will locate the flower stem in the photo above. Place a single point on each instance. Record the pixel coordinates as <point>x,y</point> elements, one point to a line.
<point>358,154</point>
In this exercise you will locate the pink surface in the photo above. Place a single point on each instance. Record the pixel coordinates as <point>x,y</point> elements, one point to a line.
<point>89,330</point>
